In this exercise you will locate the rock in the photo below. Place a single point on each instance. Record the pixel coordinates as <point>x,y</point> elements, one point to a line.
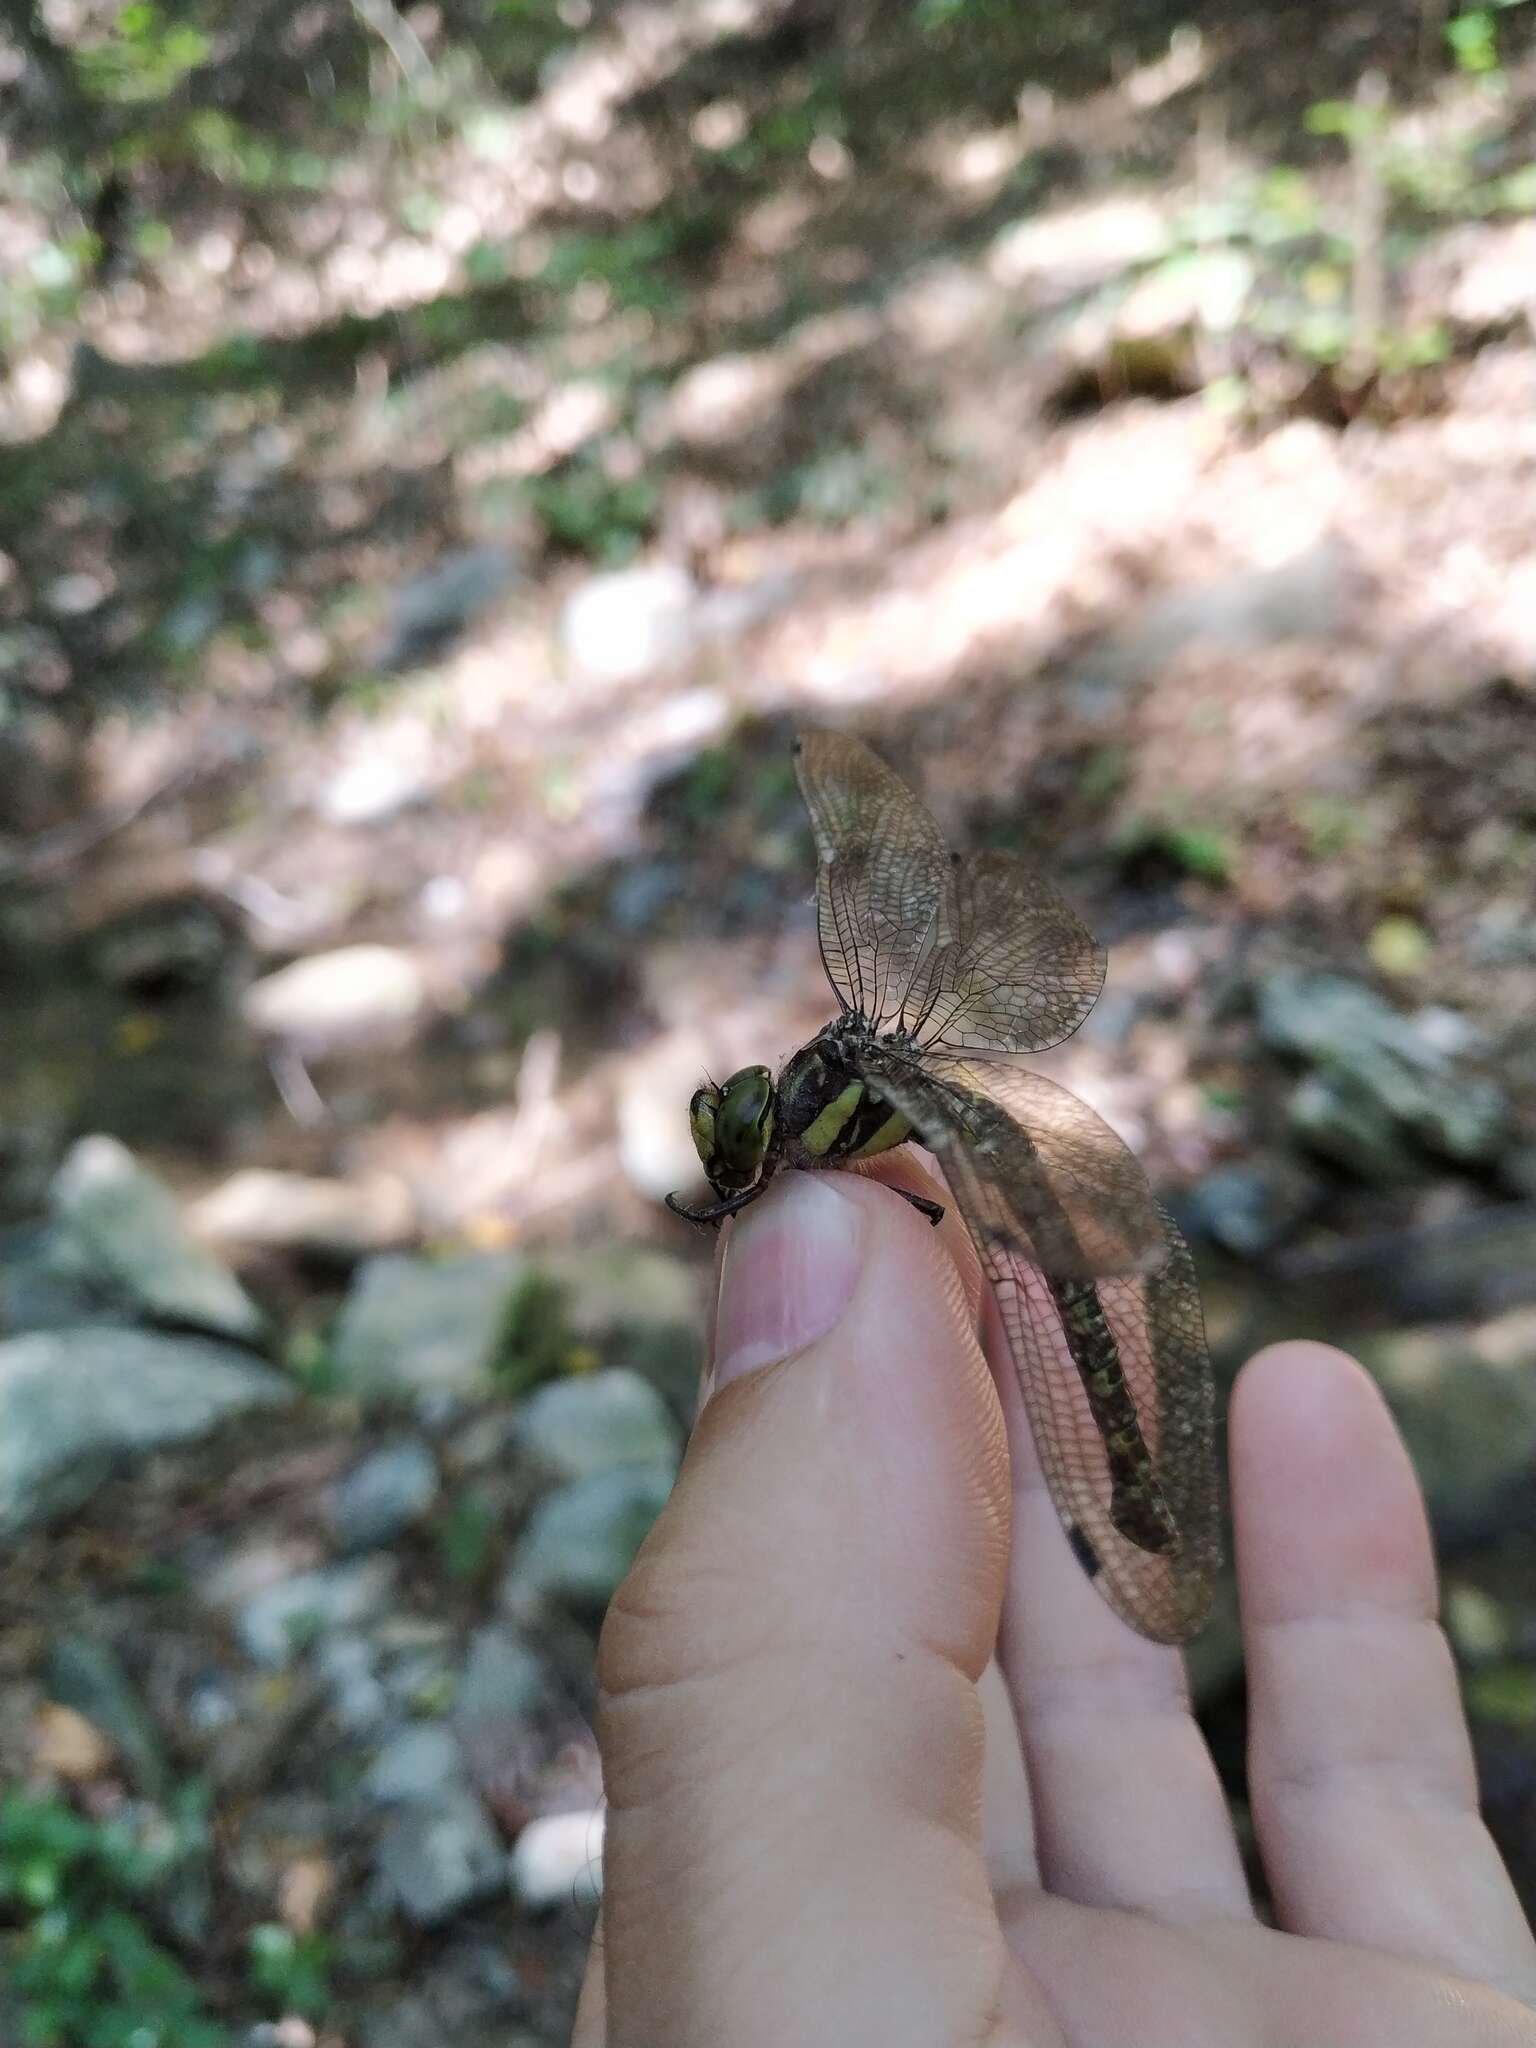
<point>558,1861</point>
<point>76,1401</point>
<point>1384,1084</point>
<point>640,1304</point>
<point>346,1666</point>
<point>438,1858</point>
<point>598,1421</point>
<point>431,610</point>
<point>299,1212</point>
<point>1465,1397</point>
<point>582,1538</point>
<point>613,1289</point>
<point>418,1662</point>
<point>468,1995</point>
<point>419,1763</point>
<point>1250,1209</point>
<point>383,1495</point>
<point>351,999</point>
<point>40,1292</point>
<point>618,627</point>
<point>87,1675</point>
<point>280,1622</point>
<point>426,1326</point>
<point>503,1686</point>
<point>1465,1267</point>
<point>117,1230</point>
<point>502,1678</point>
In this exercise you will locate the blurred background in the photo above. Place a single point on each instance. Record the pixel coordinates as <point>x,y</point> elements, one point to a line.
<point>445,450</point>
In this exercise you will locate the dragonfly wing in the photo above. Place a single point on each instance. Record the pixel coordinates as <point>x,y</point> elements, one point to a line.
<point>881,872</point>
<point>1076,1187</point>
<point>1004,1184</point>
<point>1013,969</point>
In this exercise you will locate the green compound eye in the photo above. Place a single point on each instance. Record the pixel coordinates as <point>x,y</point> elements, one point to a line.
<point>701,1121</point>
<point>743,1121</point>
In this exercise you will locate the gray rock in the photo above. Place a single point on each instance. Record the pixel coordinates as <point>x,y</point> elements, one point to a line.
<point>346,1666</point>
<point>438,1858</point>
<point>468,1995</point>
<point>1466,1267</point>
<point>417,1326</point>
<point>117,1228</point>
<point>419,1763</point>
<point>76,1401</point>
<point>503,1679</point>
<point>1384,1084</point>
<point>1465,1397</point>
<point>618,627</point>
<point>557,1860</point>
<point>343,1218</point>
<point>1250,1209</point>
<point>355,998</point>
<point>582,1538</point>
<point>430,610</point>
<point>39,1291</point>
<point>280,1622</point>
<point>598,1421</point>
<point>383,1495</point>
<point>503,1686</point>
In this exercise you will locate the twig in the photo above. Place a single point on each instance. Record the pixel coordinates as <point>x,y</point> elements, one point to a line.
<point>1368,295</point>
<point>398,37</point>
<point>301,1098</point>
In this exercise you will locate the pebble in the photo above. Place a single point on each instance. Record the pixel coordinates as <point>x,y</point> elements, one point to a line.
<point>283,1620</point>
<point>582,1538</point>
<point>383,1495</point>
<point>558,1861</point>
<point>439,1857</point>
<point>598,1421</point>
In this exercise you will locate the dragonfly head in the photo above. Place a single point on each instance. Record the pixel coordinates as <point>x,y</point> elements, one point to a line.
<point>733,1127</point>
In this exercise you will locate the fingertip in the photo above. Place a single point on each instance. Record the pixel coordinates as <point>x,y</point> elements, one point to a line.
<point>1326,1507</point>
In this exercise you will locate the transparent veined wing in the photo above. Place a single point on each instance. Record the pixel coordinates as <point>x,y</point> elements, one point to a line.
<point>881,871</point>
<point>1028,1197</point>
<point>1013,968</point>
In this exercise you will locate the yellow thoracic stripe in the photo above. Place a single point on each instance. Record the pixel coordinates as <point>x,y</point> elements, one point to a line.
<point>822,1135</point>
<point>894,1131</point>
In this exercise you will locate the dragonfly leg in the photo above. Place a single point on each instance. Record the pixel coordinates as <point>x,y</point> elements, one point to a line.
<point>715,1210</point>
<point>934,1211</point>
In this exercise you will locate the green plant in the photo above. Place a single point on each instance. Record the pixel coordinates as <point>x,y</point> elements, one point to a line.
<point>145,57</point>
<point>81,1956</point>
<point>584,509</point>
<point>1200,850</point>
<point>289,1972</point>
<point>465,1535</point>
<point>1474,38</point>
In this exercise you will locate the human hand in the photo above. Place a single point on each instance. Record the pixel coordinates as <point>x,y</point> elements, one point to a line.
<point>805,1844</point>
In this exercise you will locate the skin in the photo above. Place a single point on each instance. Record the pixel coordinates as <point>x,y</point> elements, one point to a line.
<point>811,1838</point>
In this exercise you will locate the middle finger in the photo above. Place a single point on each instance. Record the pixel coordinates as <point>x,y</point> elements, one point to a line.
<point>1129,1811</point>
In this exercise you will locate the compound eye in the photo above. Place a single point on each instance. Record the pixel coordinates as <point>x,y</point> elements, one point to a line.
<point>701,1122</point>
<point>744,1122</point>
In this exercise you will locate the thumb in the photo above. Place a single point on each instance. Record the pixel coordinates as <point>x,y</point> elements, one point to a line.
<point>791,1737</point>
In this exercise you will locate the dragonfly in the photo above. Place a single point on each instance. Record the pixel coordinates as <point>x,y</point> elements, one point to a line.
<point>946,967</point>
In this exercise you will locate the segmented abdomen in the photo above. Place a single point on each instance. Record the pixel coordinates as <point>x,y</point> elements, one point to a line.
<point>1137,1506</point>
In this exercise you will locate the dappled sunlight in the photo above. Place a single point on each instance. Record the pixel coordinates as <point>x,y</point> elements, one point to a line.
<point>449,452</point>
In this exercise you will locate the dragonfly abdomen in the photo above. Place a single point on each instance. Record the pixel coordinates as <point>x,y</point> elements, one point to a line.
<point>1137,1506</point>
